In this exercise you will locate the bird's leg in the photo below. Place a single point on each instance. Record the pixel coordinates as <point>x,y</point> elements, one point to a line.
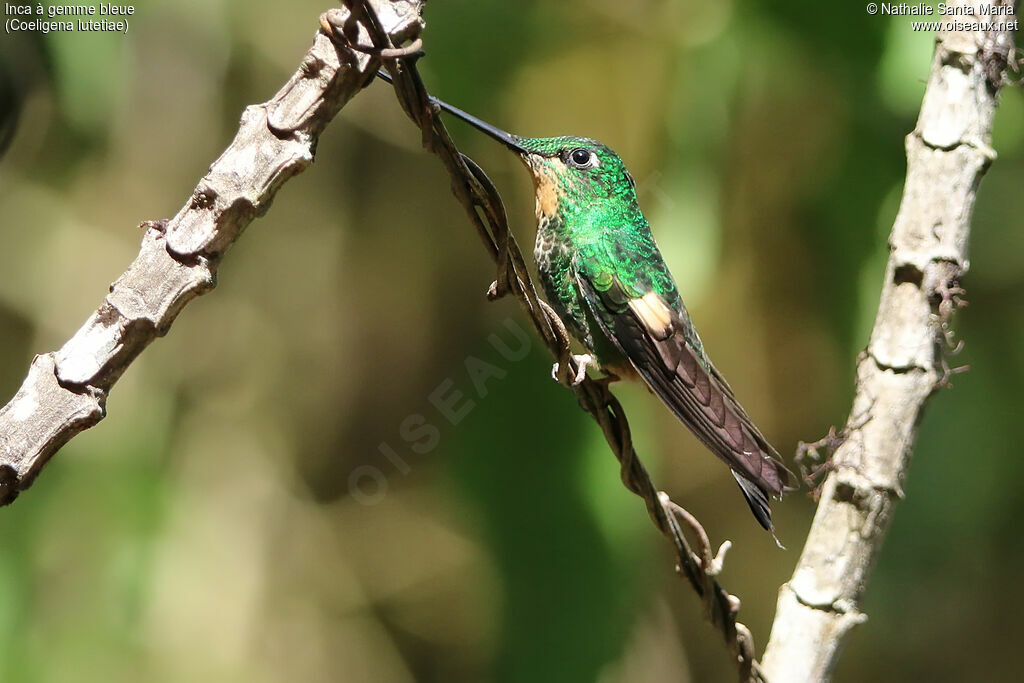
<point>583,360</point>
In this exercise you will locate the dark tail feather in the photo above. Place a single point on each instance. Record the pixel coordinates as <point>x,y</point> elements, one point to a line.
<point>757,499</point>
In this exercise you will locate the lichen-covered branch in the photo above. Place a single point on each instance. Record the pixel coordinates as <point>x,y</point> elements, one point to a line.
<point>905,361</point>
<point>65,392</point>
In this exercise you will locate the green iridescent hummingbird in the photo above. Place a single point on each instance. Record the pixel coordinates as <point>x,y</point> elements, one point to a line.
<point>606,279</point>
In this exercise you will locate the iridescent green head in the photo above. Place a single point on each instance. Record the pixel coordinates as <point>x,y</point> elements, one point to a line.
<point>568,172</point>
<point>572,172</point>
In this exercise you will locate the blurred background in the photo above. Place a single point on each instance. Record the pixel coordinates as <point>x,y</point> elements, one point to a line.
<point>345,464</point>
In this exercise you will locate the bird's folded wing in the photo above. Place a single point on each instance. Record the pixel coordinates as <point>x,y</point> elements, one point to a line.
<point>653,336</point>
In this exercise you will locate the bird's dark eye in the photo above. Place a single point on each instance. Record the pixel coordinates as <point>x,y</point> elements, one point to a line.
<point>580,157</point>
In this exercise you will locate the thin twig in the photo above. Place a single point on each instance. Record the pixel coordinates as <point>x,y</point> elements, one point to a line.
<point>484,207</point>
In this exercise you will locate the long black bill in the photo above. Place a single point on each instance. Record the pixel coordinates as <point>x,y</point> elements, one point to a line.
<point>507,139</point>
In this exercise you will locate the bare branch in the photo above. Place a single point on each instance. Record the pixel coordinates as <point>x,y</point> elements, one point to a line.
<point>483,206</point>
<point>65,392</point>
<point>905,361</point>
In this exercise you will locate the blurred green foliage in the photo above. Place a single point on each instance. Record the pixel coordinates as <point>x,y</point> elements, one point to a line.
<point>208,529</point>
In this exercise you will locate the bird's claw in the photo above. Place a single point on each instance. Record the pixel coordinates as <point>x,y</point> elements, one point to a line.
<point>582,361</point>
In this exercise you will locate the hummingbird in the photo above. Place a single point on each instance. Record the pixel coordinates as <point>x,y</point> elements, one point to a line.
<point>603,274</point>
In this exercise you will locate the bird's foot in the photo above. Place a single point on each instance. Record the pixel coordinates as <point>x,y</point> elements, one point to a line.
<point>582,362</point>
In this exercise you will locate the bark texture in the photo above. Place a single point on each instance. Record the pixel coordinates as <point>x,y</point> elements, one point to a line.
<point>904,363</point>
<point>65,392</point>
